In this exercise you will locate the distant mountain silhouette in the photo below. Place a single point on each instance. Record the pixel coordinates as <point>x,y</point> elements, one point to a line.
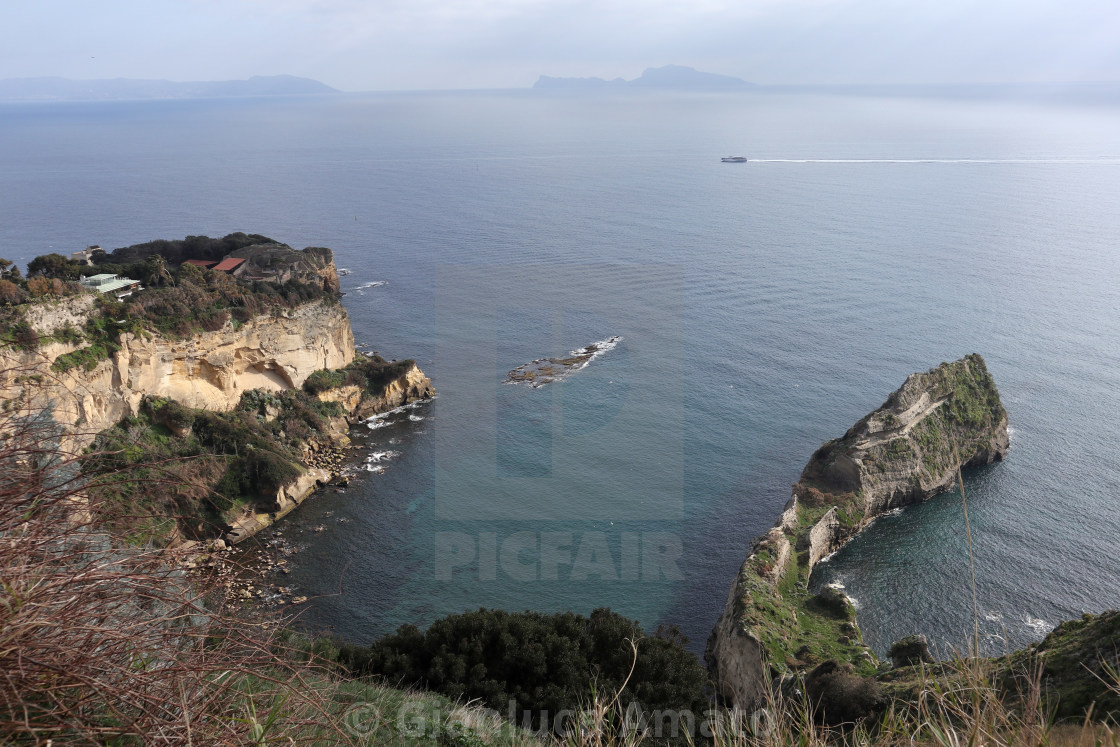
<point>670,76</point>
<point>65,89</point>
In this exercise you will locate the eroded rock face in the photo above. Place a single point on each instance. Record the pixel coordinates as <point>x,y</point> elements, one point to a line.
<point>904,452</point>
<point>412,386</point>
<point>209,371</point>
<point>909,449</point>
<point>737,660</point>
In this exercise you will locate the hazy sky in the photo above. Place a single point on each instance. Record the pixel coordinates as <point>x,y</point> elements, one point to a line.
<point>415,44</point>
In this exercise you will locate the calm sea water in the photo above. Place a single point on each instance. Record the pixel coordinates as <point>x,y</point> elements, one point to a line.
<point>763,309</point>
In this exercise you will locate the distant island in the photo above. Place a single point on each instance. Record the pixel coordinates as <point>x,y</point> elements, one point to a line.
<point>123,89</point>
<point>670,76</point>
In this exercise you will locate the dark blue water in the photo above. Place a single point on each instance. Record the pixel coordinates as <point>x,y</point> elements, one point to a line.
<point>763,309</point>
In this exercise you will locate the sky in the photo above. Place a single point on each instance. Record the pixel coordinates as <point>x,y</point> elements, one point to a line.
<point>366,45</point>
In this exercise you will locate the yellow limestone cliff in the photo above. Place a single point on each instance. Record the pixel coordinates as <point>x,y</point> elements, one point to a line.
<point>209,370</point>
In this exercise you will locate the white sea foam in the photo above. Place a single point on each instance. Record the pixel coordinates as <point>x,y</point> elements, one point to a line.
<point>372,284</point>
<point>1037,625</point>
<point>343,271</point>
<point>383,416</point>
<point>603,346</point>
<point>382,456</point>
<point>415,418</point>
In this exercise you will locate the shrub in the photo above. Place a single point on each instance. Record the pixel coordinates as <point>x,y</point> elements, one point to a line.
<point>24,337</point>
<point>323,380</point>
<point>540,662</point>
<point>372,374</point>
<point>86,358</point>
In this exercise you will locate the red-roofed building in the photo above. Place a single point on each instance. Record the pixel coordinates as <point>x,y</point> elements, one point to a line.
<point>203,263</point>
<point>229,264</point>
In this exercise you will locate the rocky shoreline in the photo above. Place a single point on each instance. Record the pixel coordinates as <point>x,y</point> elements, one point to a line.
<point>325,460</point>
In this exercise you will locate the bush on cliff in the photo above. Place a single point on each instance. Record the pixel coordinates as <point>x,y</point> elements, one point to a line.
<point>203,300</point>
<point>176,303</point>
<point>370,373</point>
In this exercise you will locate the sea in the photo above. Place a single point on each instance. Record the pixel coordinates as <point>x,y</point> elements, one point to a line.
<point>743,313</point>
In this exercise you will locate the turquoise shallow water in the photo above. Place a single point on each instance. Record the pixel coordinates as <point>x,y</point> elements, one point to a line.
<point>763,309</point>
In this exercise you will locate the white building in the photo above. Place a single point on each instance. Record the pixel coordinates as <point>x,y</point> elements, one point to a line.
<point>115,284</point>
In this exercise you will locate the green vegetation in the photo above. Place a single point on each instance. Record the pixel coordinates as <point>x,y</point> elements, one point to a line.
<point>1078,662</point>
<point>87,357</point>
<point>799,629</point>
<point>370,373</point>
<point>179,300</point>
<point>543,663</point>
<point>205,301</point>
<point>179,250</point>
<point>174,471</point>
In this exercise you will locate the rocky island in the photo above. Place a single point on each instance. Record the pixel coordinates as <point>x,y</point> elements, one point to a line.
<point>537,373</point>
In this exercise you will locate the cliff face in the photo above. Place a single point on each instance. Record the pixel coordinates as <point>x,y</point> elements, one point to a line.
<point>209,370</point>
<point>909,449</point>
<point>904,452</point>
<point>359,404</point>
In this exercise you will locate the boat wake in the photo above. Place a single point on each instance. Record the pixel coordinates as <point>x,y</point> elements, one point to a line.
<point>940,160</point>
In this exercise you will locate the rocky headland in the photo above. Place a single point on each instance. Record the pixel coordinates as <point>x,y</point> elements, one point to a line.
<point>772,629</point>
<point>246,381</point>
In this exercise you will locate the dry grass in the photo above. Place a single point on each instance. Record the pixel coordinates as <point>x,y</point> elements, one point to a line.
<point>959,707</point>
<point>101,643</point>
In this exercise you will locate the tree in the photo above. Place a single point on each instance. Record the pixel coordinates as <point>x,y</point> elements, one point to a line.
<point>54,266</point>
<point>45,286</point>
<point>11,293</point>
<point>540,662</point>
<point>156,273</point>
